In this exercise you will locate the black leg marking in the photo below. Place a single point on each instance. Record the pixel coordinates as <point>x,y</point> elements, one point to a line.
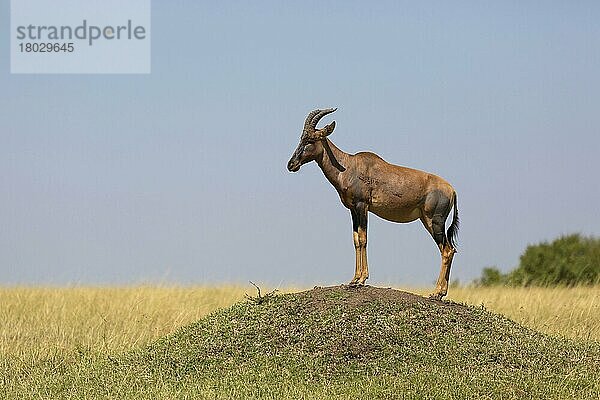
<point>437,226</point>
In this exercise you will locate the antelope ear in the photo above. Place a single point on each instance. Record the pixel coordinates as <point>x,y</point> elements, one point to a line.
<point>327,129</point>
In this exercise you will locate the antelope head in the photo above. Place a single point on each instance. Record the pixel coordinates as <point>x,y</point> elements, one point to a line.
<point>311,141</point>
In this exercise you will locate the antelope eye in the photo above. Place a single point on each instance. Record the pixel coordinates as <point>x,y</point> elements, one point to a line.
<point>308,147</point>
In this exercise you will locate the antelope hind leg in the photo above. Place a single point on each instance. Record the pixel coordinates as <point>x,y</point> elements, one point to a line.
<point>441,287</point>
<point>436,225</point>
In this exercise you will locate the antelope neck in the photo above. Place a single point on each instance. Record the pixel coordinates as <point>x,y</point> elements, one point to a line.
<point>332,161</point>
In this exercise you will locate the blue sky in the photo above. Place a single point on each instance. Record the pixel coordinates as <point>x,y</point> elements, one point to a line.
<point>179,176</point>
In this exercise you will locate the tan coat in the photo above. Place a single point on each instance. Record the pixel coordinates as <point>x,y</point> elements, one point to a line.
<point>365,182</point>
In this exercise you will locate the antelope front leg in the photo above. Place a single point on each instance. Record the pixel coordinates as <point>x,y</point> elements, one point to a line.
<point>364,273</point>
<point>361,234</point>
<point>358,262</point>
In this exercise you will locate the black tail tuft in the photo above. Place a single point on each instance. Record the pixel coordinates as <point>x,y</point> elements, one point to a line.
<point>452,233</point>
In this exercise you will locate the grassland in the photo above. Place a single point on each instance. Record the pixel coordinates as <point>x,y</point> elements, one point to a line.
<point>559,311</point>
<point>78,342</point>
<point>38,321</point>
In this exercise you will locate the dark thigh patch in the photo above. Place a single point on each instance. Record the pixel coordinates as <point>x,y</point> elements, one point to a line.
<point>437,203</point>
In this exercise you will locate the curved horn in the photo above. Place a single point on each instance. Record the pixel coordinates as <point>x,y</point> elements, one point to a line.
<point>309,118</point>
<point>320,115</point>
<point>314,117</point>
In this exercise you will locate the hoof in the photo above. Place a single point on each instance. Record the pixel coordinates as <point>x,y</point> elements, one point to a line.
<point>437,296</point>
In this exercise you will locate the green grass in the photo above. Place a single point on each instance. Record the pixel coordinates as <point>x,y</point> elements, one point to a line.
<point>325,343</point>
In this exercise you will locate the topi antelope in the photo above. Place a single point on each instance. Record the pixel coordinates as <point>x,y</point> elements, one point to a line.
<point>365,182</point>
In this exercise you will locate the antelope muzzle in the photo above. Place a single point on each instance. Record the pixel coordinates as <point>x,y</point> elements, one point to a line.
<point>294,164</point>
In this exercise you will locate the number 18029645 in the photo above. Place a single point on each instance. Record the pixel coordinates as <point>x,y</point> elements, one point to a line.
<point>46,47</point>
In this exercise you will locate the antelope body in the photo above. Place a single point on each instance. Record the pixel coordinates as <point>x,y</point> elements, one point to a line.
<point>365,182</point>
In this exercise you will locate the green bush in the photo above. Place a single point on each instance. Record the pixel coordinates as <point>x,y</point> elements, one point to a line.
<point>568,260</point>
<point>490,276</point>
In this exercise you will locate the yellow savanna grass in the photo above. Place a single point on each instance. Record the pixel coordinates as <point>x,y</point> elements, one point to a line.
<point>112,319</point>
<point>39,321</point>
<point>572,312</point>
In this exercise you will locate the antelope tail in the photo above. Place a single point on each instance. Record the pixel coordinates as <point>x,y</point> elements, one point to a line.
<point>452,233</point>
